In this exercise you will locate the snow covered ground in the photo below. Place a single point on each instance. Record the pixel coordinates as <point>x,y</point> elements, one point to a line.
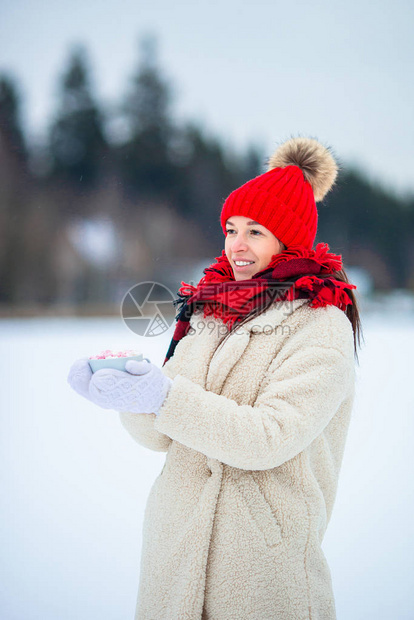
<point>74,483</point>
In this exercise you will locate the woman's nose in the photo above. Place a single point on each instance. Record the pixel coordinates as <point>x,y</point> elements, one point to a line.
<point>239,243</point>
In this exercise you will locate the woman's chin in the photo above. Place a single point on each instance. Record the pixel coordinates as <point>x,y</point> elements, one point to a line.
<point>244,274</point>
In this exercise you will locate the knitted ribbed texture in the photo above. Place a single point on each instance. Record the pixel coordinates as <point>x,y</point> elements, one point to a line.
<point>282,201</point>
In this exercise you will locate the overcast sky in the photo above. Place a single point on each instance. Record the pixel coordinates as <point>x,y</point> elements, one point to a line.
<point>251,73</point>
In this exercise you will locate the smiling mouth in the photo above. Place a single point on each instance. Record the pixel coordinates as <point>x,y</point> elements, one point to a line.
<point>243,263</point>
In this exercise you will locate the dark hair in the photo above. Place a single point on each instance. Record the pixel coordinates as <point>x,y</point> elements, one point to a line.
<point>352,311</point>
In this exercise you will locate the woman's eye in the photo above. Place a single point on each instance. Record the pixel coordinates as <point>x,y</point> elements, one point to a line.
<point>231,230</point>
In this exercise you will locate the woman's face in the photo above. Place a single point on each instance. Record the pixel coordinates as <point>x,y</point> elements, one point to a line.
<point>249,241</point>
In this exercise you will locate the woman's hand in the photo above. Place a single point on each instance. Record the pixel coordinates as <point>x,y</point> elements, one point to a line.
<point>80,375</point>
<point>142,388</point>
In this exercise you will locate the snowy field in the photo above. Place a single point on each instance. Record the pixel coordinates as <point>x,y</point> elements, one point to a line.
<point>74,483</point>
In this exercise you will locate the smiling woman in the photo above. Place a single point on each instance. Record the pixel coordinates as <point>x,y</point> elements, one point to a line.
<point>253,420</point>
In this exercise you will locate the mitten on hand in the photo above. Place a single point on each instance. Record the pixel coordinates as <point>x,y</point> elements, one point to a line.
<point>79,377</point>
<point>142,388</point>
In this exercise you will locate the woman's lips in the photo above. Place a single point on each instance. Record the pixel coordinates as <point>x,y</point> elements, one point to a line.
<point>242,267</point>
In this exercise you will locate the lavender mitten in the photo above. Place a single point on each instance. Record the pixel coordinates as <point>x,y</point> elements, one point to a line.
<point>142,388</point>
<point>79,377</point>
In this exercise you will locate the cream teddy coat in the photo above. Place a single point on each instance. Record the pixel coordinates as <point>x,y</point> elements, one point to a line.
<point>254,431</point>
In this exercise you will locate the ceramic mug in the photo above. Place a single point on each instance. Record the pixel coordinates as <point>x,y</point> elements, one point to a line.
<point>118,363</point>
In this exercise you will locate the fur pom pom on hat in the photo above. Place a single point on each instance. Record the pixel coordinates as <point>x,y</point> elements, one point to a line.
<point>316,162</point>
<point>283,199</point>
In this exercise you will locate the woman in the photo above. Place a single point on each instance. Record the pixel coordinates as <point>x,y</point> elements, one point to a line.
<point>252,406</point>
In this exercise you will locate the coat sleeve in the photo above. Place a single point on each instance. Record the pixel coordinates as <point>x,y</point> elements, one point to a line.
<point>141,425</point>
<point>303,389</point>
<point>141,428</point>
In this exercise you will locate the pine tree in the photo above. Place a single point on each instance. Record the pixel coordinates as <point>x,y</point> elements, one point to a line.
<point>77,142</point>
<point>144,160</point>
<point>14,185</point>
<point>10,122</point>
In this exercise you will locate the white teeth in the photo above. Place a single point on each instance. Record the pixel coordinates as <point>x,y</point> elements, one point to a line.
<point>240,263</point>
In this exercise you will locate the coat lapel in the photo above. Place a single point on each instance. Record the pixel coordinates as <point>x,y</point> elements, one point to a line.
<point>230,351</point>
<point>225,357</point>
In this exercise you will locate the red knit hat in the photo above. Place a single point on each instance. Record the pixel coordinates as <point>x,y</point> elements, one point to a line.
<point>300,172</point>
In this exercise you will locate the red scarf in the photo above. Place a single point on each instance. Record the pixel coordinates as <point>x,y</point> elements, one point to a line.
<point>292,274</point>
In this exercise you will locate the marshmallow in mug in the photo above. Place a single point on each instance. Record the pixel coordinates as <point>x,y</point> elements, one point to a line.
<point>112,359</point>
